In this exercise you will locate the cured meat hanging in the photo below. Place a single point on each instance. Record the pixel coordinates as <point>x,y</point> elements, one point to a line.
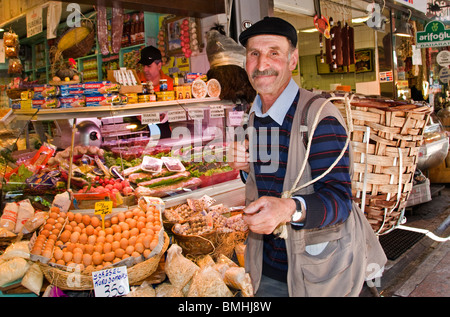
<point>102,28</point>
<point>116,27</point>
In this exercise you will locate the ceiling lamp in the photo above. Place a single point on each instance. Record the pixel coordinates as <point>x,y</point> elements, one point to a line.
<point>404,28</point>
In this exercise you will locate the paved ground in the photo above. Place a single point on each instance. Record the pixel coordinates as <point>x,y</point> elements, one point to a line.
<point>423,270</point>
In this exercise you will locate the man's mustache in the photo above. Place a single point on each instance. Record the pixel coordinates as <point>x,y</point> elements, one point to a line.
<point>267,72</point>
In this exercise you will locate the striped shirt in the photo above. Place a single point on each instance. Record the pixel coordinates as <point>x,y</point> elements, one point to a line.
<point>331,201</point>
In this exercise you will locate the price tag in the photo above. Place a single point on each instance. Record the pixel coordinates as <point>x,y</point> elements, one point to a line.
<point>111,282</point>
<point>176,115</point>
<point>103,208</point>
<point>148,118</point>
<point>235,118</point>
<point>216,111</point>
<point>196,114</point>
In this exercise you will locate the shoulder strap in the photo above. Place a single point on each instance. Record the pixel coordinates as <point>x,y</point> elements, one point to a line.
<point>304,118</point>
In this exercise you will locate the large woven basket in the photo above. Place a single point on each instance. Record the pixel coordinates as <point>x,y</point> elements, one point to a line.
<point>136,274</point>
<point>386,138</point>
<point>81,46</point>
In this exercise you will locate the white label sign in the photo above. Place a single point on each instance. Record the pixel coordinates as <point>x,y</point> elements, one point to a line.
<point>176,115</point>
<point>34,21</point>
<point>196,114</point>
<point>2,52</point>
<point>111,282</point>
<point>216,111</point>
<point>443,58</point>
<point>235,117</point>
<point>444,75</point>
<point>149,118</point>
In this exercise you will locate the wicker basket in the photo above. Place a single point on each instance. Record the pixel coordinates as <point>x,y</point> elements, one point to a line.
<point>81,46</point>
<point>136,274</point>
<point>196,245</point>
<point>386,138</point>
<point>15,93</point>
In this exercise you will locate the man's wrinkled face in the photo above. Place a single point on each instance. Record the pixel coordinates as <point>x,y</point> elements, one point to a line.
<point>270,62</point>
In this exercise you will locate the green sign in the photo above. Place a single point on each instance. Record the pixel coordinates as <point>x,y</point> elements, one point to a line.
<point>434,35</point>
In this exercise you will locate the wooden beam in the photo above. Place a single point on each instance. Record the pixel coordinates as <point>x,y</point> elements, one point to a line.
<point>192,8</point>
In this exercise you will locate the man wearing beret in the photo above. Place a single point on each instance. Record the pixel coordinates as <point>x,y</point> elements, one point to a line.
<point>327,247</point>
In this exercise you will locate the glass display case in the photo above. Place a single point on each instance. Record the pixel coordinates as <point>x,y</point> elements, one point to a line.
<point>169,149</point>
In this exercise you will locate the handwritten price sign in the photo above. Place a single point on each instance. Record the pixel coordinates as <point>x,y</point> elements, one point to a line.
<point>111,282</point>
<point>103,207</point>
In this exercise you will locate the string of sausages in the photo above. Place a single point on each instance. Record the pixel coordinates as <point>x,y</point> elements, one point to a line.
<point>340,47</point>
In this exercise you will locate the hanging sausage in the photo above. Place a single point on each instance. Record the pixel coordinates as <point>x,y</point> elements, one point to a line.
<point>116,27</point>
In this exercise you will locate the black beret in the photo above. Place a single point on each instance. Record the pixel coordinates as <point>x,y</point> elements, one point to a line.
<point>270,25</point>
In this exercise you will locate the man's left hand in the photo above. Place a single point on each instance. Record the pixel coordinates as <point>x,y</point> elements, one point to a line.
<point>265,214</point>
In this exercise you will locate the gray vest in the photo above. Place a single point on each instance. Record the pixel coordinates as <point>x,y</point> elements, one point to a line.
<point>352,253</point>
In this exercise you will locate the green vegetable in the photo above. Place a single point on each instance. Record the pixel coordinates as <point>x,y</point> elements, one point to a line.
<point>17,180</point>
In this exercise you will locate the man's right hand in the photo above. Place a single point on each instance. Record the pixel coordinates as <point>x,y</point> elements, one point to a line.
<point>239,158</point>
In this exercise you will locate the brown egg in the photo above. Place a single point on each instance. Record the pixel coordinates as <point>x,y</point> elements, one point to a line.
<point>139,247</point>
<point>70,215</point>
<point>114,220</point>
<point>109,256</point>
<point>54,215</point>
<point>117,236</point>
<point>146,253</point>
<point>59,243</point>
<point>147,241</point>
<point>74,237</point>
<point>125,234</point>
<point>135,211</point>
<point>134,232</point>
<point>76,229</point>
<point>77,257</point>
<point>62,214</point>
<point>95,222</point>
<point>87,259</point>
<point>73,223</point>
<point>55,232</point>
<point>89,249</point>
<point>41,237</point>
<point>140,225</point>
<point>98,248</point>
<point>153,244</point>
<point>70,246</point>
<point>77,250</point>
<point>107,223</point>
<point>116,228</point>
<point>45,232</point>
<point>116,260</point>
<point>101,233</point>
<point>109,238</point>
<point>123,243</point>
<point>81,226</point>
<point>53,237</point>
<point>78,217</point>
<point>58,226</point>
<point>121,216</point>
<point>83,238</point>
<point>37,249</point>
<point>90,230</point>
<point>86,219</point>
<point>65,236</point>
<point>50,221</point>
<point>92,239</point>
<point>119,253</point>
<point>97,258</point>
<point>61,220</point>
<point>124,226</point>
<point>132,240</point>
<point>129,214</point>
<point>135,254</point>
<point>109,230</point>
<point>125,256</point>
<point>129,249</point>
<point>61,262</point>
<point>115,245</point>
<point>101,239</point>
<point>107,247</point>
<point>67,257</point>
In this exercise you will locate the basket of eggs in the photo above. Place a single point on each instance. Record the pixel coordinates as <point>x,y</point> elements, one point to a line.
<point>70,246</point>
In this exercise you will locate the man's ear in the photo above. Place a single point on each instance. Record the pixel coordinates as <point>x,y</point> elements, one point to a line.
<point>294,60</point>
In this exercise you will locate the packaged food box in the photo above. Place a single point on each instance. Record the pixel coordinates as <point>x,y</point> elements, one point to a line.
<point>72,101</point>
<point>44,103</point>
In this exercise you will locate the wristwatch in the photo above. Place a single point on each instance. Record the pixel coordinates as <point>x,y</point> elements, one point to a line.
<point>298,213</point>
